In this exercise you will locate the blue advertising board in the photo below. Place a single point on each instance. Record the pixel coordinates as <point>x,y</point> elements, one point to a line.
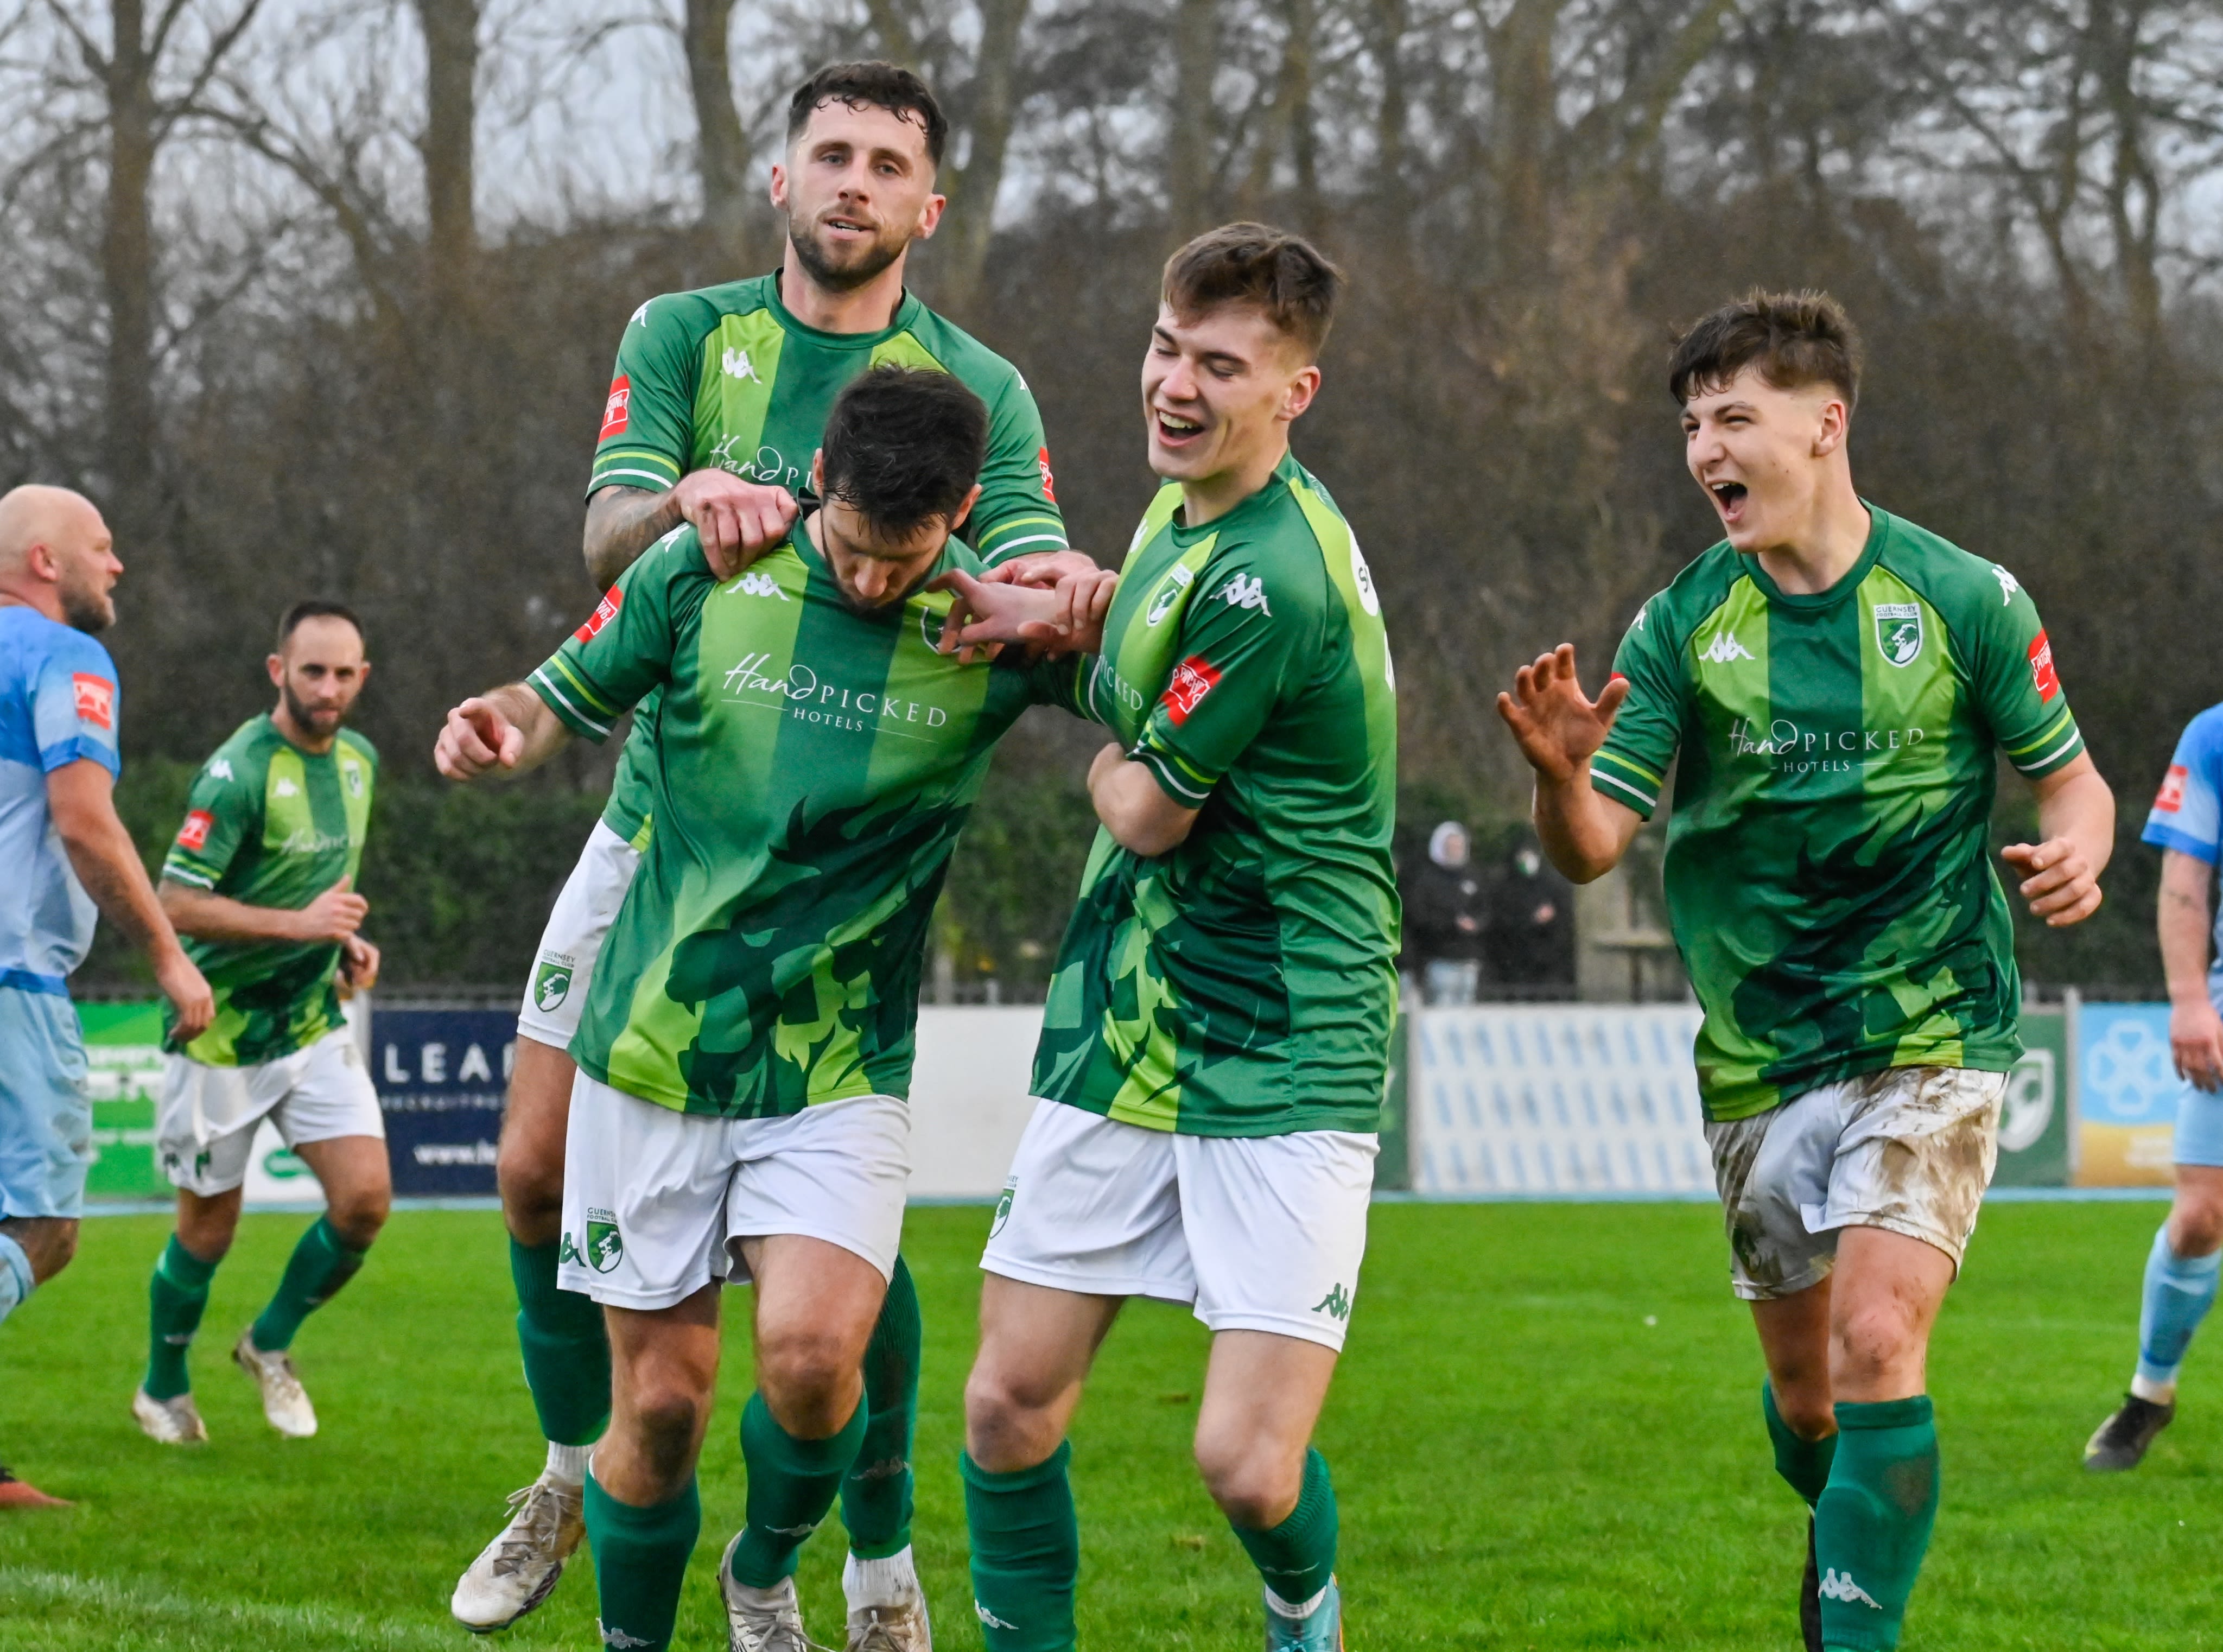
<point>441,1076</point>
<point>2127,1091</point>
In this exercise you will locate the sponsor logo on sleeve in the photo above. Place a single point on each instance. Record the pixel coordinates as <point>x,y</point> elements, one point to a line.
<point>1245,591</point>
<point>604,611</point>
<point>2170,797</point>
<point>193,835</point>
<point>615,409</point>
<point>2041,668</point>
<point>2008,584</point>
<point>1048,482</point>
<point>96,699</point>
<point>1191,680</point>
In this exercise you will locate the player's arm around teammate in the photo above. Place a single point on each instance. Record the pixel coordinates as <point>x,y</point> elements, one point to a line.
<point>260,881</point>
<point>1244,659</point>
<point>1853,1118</point>
<point>2183,1266</point>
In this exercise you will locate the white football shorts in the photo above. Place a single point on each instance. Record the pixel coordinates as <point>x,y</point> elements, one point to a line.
<point>573,939</point>
<point>1910,1149</point>
<point>205,1122</point>
<point>1255,1232</point>
<point>656,1201</point>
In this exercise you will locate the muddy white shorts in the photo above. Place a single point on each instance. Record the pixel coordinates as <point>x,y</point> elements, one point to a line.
<point>1256,1232</point>
<point>1909,1151</point>
<point>205,1123</point>
<point>656,1201</point>
<point>573,939</point>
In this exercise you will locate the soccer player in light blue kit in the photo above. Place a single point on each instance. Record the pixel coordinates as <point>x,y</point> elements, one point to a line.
<point>2186,826</point>
<point>66,853</point>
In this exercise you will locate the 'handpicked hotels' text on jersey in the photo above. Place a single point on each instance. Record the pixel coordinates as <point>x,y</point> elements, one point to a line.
<point>1240,984</point>
<point>812,765</point>
<point>271,825</point>
<point>1827,874</point>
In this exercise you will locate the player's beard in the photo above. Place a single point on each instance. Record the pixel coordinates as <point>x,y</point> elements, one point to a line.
<point>864,264</point>
<point>85,607</point>
<point>307,717</point>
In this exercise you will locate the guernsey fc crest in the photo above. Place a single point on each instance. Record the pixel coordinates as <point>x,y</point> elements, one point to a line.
<point>1177,580</point>
<point>552,983</point>
<point>605,1244</point>
<point>1898,631</point>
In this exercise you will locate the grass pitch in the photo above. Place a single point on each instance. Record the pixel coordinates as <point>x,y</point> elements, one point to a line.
<point>1546,1435</point>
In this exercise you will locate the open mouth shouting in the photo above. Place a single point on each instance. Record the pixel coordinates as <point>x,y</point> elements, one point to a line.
<point>1729,499</point>
<point>1174,431</point>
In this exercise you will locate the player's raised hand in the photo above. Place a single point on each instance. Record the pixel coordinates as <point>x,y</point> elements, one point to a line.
<point>336,915</point>
<point>1555,723</point>
<point>187,989</point>
<point>737,521</point>
<point>475,738</point>
<point>2058,883</point>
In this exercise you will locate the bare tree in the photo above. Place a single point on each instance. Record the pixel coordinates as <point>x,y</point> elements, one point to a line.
<point>722,141</point>
<point>452,63</point>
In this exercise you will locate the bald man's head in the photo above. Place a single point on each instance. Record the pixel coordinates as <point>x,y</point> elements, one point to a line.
<point>57,556</point>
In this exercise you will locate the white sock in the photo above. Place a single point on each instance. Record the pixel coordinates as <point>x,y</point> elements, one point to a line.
<point>889,1582</point>
<point>1276,1605</point>
<point>567,1463</point>
<point>15,1282</point>
<point>2152,1393</point>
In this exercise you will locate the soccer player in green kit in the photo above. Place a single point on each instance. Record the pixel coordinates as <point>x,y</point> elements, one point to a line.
<point>747,1039</point>
<point>718,402</point>
<point>1216,1039</point>
<point>1833,684</point>
<point>259,882</point>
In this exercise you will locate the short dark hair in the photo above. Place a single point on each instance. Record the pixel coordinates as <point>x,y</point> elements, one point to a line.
<point>873,85</point>
<point>313,609</point>
<point>1283,274</point>
<point>904,446</point>
<point>1794,339</point>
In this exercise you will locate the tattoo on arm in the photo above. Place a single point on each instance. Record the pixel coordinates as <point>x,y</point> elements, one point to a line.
<point>621,523</point>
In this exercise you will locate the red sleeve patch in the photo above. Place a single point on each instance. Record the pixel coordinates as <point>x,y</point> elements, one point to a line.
<point>1191,680</point>
<point>193,835</point>
<point>2041,668</point>
<point>615,410</point>
<point>1048,482</point>
<point>604,611</point>
<point>96,699</point>
<point>2170,797</point>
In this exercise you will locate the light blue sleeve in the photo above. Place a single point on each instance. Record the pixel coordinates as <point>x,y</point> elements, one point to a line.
<point>2188,812</point>
<point>76,706</point>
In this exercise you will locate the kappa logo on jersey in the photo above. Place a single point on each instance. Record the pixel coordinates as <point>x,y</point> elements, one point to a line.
<point>96,699</point>
<point>1048,482</point>
<point>640,316</point>
<point>1191,680</point>
<point>220,769</point>
<point>1177,580</point>
<point>1839,1586</point>
<point>1243,591</point>
<point>286,789</point>
<point>605,1244</point>
<point>756,585</point>
<point>2170,797</point>
<point>2008,584</point>
<point>1724,648</point>
<point>2041,668</point>
<point>1898,631</point>
<point>615,410</point>
<point>1336,1304</point>
<point>738,366</point>
<point>193,835</point>
<point>604,611</point>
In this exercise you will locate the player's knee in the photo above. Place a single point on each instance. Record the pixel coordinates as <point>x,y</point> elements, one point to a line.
<point>1008,1424</point>
<point>529,1178</point>
<point>667,1420</point>
<point>1873,1342</point>
<point>2195,1226</point>
<point>358,1216</point>
<point>1252,1487</point>
<point>49,1244</point>
<point>1806,1409</point>
<point>805,1373</point>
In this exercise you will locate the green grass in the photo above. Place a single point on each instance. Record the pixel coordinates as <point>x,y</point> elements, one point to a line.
<point>1546,1435</point>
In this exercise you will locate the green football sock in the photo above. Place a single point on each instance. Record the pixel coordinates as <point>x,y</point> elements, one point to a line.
<point>320,1264</point>
<point>876,1495</point>
<point>1804,1464</point>
<point>176,1295</point>
<point>792,1483</point>
<point>1026,1553</point>
<point>567,1350</point>
<point>1871,1525</point>
<point>640,1560</point>
<point>1297,1557</point>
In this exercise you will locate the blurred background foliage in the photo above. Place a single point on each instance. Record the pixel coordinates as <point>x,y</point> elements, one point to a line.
<point>319,296</point>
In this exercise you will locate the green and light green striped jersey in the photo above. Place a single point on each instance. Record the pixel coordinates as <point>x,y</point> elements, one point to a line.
<point>269,824</point>
<point>726,379</point>
<point>812,765</point>
<point>1826,876</point>
<point>1242,983</point>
